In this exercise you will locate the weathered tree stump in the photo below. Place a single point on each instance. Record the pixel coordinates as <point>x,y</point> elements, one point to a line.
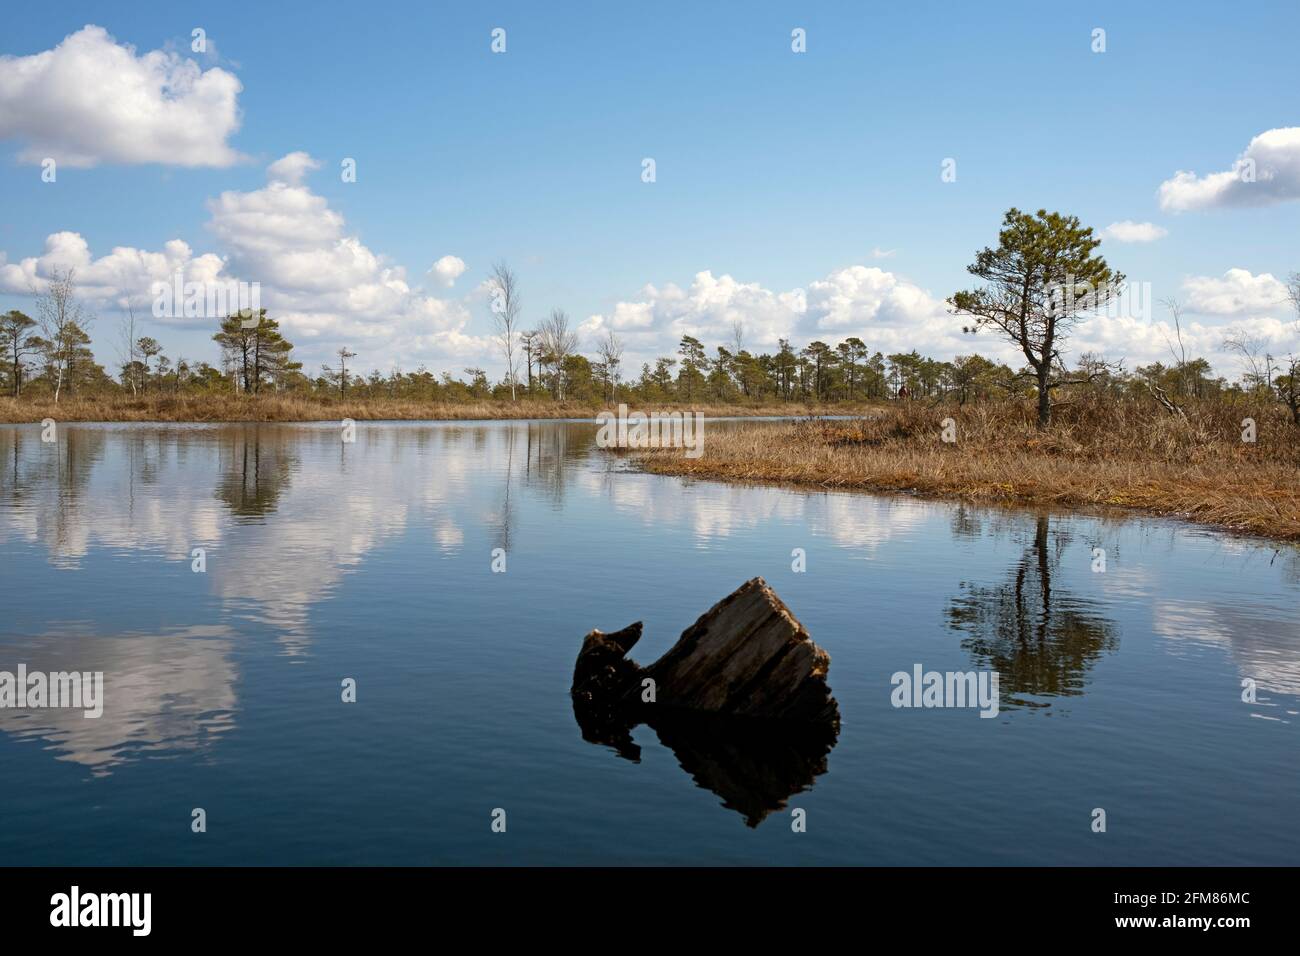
<point>748,656</point>
<point>741,700</point>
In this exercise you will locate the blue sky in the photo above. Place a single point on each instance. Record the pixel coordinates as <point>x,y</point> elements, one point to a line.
<point>776,169</point>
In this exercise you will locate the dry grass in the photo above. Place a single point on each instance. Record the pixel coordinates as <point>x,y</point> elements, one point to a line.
<point>1123,453</point>
<point>289,408</point>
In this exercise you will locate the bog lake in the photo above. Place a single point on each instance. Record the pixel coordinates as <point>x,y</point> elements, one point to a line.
<point>374,560</point>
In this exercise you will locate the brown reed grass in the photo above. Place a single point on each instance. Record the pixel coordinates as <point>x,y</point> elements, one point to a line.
<point>1109,452</point>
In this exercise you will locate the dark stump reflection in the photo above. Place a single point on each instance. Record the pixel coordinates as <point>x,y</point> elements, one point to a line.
<point>754,765</point>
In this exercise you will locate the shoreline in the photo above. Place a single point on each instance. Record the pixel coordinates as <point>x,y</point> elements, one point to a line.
<point>1213,488</point>
<point>1051,506</point>
<point>274,408</point>
<point>1123,463</point>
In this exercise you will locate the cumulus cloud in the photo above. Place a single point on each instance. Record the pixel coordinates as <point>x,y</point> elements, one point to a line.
<point>888,312</point>
<point>292,169</point>
<point>1129,231</point>
<point>326,287</point>
<point>1267,172</point>
<point>124,276</point>
<point>91,100</point>
<point>1140,341</point>
<point>1235,293</point>
<point>891,314</point>
<point>447,270</point>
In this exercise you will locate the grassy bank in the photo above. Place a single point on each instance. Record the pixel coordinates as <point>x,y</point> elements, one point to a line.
<point>163,407</point>
<point>1118,453</point>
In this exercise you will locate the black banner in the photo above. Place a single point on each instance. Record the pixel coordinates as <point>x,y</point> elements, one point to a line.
<point>332,905</point>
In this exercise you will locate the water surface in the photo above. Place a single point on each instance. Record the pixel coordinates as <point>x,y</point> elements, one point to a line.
<point>373,561</point>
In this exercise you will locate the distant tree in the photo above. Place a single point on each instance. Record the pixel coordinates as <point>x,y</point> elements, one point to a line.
<point>503,289</point>
<point>344,353</point>
<point>1293,295</point>
<point>661,379</point>
<point>1289,385</point>
<point>16,341</point>
<point>529,343</point>
<point>610,350</point>
<point>147,348</point>
<point>1288,388</point>
<point>1040,279</point>
<point>478,382</point>
<point>63,324</point>
<point>558,343</point>
<point>127,349</point>
<point>971,375</point>
<point>850,352</point>
<point>819,354</point>
<point>1252,350</point>
<point>256,350</point>
<point>695,362</point>
<point>785,364</point>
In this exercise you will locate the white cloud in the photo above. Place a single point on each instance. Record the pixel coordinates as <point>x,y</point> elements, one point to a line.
<point>891,314</point>
<point>1273,161</point>
<point>1141,341</point>
<point>91,100</point>
<point>887,312</point>
<point>125,274</point>
<point>878,253</point>
<point>867,299</point>
<point>327,288</point>
<point>1237,292</point>
<point>448,269</point>
<point>1129,231</point>
<point>292,169</point>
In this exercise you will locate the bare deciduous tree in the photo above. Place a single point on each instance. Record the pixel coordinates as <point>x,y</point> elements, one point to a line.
<point>504,287</point>
<point>1289,387</point>
<point>63,323</point>
<point>1176,346</point>
<point>610,350</point>
<point>1251,349</point>
<point>558,344</point>
<point>127,347</point>
<point>1293,294</point>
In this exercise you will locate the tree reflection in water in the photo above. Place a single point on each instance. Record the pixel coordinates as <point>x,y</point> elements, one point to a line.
<point>1042,641</point>
<point>256,465</point>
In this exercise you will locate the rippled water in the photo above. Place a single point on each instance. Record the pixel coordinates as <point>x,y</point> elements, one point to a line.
<point>1120,690</point>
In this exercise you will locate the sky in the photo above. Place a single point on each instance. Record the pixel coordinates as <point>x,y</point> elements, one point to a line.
<point>800,194</point>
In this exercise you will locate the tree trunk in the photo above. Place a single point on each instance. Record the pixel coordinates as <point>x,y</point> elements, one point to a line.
<point>1044,398</point>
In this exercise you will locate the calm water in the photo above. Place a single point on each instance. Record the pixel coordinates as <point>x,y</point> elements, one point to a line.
<point>1120,690</point>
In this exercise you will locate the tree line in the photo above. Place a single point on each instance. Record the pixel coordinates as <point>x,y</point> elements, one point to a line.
<point>1042,279</point>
